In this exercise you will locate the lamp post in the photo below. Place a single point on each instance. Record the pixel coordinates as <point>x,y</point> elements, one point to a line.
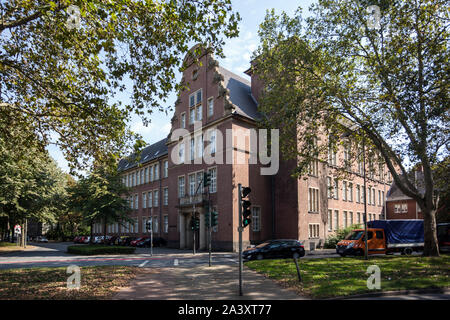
<point>346,135</point>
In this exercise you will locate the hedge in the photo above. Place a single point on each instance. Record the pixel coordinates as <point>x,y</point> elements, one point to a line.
<point>99,249</point>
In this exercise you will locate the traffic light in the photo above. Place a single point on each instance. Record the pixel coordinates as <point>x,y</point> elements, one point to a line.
<point>214,219</point>
<point>149,225</point>
<point>206,179</point>
<point>246,212</point>
<point>195,224</point>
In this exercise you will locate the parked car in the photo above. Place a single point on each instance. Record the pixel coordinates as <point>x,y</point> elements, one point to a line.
<point>86,239</point>
<point>443,235</point>
<point>157,242</point>
<point>138,242</point>
<point>41,239</point>
<point>114,240</point>
<point>128,241</point>
<point>283,248</point>
<point>122,240</point>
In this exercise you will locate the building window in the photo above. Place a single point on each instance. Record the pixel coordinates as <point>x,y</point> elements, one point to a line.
<point>181,188</point>
<point>344,190</point>
<point>146,175</point>
<point>166,196</point>
<point>150,199</point>
<point>213,141</point>
<point>199,113</point>
<point>345,219</point>
<point>199,146</point>
<point>213,185</point>
<point>336,189</point>
<point>373,197</point>
<point>156,197</point>
<point>330,220</point>
<point>136,226</point>
<point>199,183</point>
<point>350,192</point>
<point>144,200</point>
<point>181,152</point>
<point>336,219</point>
<point>313,230</point>
<point>151,173</point>
<point>166,168</point>
<point>210,107</point>
<point>142,176</point>
<point>314,168</point>
<point>156,171</point>
<point>358,193</point>
<point>191,115</point>
<point>136,203</point>
<point>183,120</point>
<point>331,155</point>
<point>358,217</point>
<point>166,223</point>
<point>192,151</point>
<point>256,219</point>
<point>137,178</point>
<point>192,184</point>
<point>192,100</point>
<point>313,200</point>
<point>347,163</point>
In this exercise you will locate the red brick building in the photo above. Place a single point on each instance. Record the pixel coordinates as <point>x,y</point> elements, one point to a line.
<point>307,208</point>
<point>400,206</point>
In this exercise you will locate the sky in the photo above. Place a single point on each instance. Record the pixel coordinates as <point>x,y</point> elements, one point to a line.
<point>238,52</point>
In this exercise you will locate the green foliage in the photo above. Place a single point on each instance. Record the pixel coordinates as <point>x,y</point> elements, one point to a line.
<point>334,75</point>
<point>340,234</point>
<point>72,80</point>
<point>99,249</point>
<point>100,197</point>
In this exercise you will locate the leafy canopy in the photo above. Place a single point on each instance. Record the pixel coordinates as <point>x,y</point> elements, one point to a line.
<point>66,70</point>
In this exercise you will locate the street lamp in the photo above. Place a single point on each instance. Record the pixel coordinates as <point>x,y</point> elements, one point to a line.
<point>346,135</point>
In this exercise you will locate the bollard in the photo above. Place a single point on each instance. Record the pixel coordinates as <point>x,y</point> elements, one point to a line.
<point>298,270</point>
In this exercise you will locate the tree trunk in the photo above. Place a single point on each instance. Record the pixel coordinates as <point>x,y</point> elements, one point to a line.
<point>431,248</point>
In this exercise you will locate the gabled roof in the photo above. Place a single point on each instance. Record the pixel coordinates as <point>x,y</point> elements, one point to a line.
<point>395,193</point>
<point>150,153</point>
<point>240,94</point>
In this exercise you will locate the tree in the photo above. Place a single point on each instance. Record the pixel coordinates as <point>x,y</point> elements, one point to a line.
<point>101,198</point>
<point>380,77</point>
<point>63,65</point>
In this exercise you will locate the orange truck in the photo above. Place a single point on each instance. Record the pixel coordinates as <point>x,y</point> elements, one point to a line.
<point>384,237</point>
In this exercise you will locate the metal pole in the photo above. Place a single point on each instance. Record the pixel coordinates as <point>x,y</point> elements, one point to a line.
<point>365,201</point>
<point>240,239</point>
<point>193,226</point>
<point>210,222</point>
<point>151,233</point>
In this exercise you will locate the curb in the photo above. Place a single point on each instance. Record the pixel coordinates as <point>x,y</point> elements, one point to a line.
<point>393,293</point>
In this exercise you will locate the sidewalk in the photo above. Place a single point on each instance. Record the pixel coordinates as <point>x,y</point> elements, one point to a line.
<point>203,283</point>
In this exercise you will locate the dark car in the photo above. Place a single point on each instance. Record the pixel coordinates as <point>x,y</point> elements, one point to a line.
<point>127,241</point>
<point>275,249</point>
<point>443,235</point>
<point>157,242</point>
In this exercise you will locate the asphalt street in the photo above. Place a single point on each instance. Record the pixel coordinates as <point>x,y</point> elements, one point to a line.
<point>55,255</point>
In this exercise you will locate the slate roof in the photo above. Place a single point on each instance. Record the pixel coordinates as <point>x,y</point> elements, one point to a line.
<point>148,154</point>
<point>395,192</point>
<point>240,94</point>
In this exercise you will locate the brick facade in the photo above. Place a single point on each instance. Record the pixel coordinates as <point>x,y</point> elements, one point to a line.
<point>280,203</point>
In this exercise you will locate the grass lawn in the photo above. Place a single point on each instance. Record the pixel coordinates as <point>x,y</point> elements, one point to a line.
<point>51,283</point>
<point>335,277</point>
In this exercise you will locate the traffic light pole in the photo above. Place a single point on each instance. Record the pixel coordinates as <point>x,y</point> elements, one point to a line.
<point>210,227</point>
<point>240,238</point>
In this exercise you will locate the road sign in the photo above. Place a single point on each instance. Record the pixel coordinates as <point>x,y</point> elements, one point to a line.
<point>17,229</point>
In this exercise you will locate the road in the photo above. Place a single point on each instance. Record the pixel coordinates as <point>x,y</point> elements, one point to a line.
<point>55,255</point>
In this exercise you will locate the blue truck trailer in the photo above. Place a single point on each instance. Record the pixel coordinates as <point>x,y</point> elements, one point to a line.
<point>384,237</point>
